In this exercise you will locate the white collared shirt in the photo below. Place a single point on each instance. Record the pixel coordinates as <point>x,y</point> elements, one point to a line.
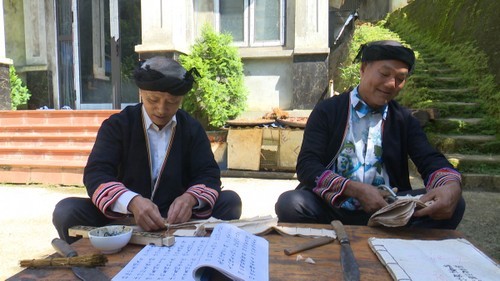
<point>158,145</point>
<point>158,141</point>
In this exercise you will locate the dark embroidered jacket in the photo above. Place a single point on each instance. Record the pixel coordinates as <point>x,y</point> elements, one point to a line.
<point>119,161</point>
<point>402,138</point>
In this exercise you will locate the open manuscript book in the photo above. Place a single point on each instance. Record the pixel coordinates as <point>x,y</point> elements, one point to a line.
<point>235,253</point>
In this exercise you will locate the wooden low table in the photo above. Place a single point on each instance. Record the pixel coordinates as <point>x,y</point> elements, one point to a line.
<point>281,267</point>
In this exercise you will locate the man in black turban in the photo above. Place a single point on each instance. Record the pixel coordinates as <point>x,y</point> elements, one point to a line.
<point>362,139</point>
<point>152,161</point>
<point>161,74</point>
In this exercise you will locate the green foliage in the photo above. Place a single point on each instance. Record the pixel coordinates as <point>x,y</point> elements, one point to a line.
<point>364,33</point>
<point>19,93</point>
<point>219,94</point>
<point>130,36</point>
<point>465,57</point>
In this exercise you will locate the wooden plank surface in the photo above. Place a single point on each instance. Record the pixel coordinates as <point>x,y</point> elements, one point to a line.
<point>290,142</point>
<point>243,149</point>
<point>281,266</point>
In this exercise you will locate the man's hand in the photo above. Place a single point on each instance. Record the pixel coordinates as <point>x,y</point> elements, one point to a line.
<point>368,196</point>
<point>181,209</point>
<point>445,199</point>
<point>146,214</point>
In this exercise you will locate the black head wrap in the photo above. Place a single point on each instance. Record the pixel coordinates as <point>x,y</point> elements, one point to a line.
<point>163,74</point>
<point>386,50</point>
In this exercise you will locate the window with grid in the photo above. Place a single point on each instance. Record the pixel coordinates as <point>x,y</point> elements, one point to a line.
<point>252,22</point>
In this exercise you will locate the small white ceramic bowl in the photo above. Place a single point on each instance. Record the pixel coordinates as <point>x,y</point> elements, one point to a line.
<point>110,239</point>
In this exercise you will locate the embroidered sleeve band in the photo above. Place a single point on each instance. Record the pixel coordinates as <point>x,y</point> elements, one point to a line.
<point>330,187</point>
<point>107,194</point>
<point>205,194</point>
<point>442,177</point>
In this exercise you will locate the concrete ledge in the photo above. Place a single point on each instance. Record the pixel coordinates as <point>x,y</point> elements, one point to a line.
<point>481,182</point>
<point>42,175</point>
<point>258,174</point>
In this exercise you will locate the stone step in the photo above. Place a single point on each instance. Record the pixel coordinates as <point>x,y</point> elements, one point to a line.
<point>454,94</point>
<point>437,71</point>
<point>423,60</point>
<point>37,153</point>
<point>46,163</point>
<point>487,159</point>
<point>47,139</point>
<point>464,126</point>
<point>448,78</point>
<point>470,121</point>
<point>476,164</point>
<point>55,174</point>
<point>431,81</point>
<point>35,129</point>
<point>464,143</point>
<point>47,146</point>
<point>463,109</point>
<point>452,91</point>
<point>53,117</point>
<point>52,146</point>
<point>481,182</point>
<point>435,63</point>
<point>459,130</point>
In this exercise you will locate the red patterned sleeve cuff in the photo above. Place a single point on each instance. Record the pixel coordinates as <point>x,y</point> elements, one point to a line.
<point>442,177</point>
<point>106,195</point>
<point>204,194</point>
<point>330,187</point>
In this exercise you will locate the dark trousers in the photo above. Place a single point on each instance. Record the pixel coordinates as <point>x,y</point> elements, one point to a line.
<point>304,206</point>
<point>74,211</point>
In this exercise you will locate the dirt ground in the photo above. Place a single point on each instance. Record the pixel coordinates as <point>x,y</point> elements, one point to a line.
<point>481,222</point>
<point>26,213</point>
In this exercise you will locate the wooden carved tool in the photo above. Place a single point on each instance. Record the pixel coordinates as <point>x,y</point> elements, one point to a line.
<point>138,237</point>
<point>85,261</point>
<point>316,242</point>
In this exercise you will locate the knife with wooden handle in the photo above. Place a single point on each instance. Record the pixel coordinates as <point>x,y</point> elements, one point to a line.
<point>84,273</point>
<point>350,267</point>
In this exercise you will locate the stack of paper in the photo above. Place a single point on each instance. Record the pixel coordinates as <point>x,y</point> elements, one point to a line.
<point>450,259</point>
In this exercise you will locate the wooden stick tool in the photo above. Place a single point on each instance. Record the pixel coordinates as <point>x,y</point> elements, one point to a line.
<point>316,242</point>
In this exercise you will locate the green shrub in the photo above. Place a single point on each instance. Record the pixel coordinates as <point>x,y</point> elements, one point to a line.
<point>219,94</point>
<point>19,94</point>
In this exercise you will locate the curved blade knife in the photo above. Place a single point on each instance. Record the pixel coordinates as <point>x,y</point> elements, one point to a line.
<point>350,267</point>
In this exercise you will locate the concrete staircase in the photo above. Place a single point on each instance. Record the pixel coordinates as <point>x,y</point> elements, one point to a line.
<point>460,128</point>
<point>47,146</point>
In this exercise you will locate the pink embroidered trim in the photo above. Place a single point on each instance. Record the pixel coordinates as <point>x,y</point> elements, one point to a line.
<point>105,195</point>
<point>330,187</point>
<point>442,177</point>
<point>205,194</point>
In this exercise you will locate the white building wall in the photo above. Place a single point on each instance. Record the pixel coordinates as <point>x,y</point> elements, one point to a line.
<point>269,84</point>
<point>166,26</point>
<point>311,26</point>
<point>3,58</point>
<point>173,26</point>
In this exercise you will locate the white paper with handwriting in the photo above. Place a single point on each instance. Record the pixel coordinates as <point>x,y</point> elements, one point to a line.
<point>236,253</point>
<point>449,259</point>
